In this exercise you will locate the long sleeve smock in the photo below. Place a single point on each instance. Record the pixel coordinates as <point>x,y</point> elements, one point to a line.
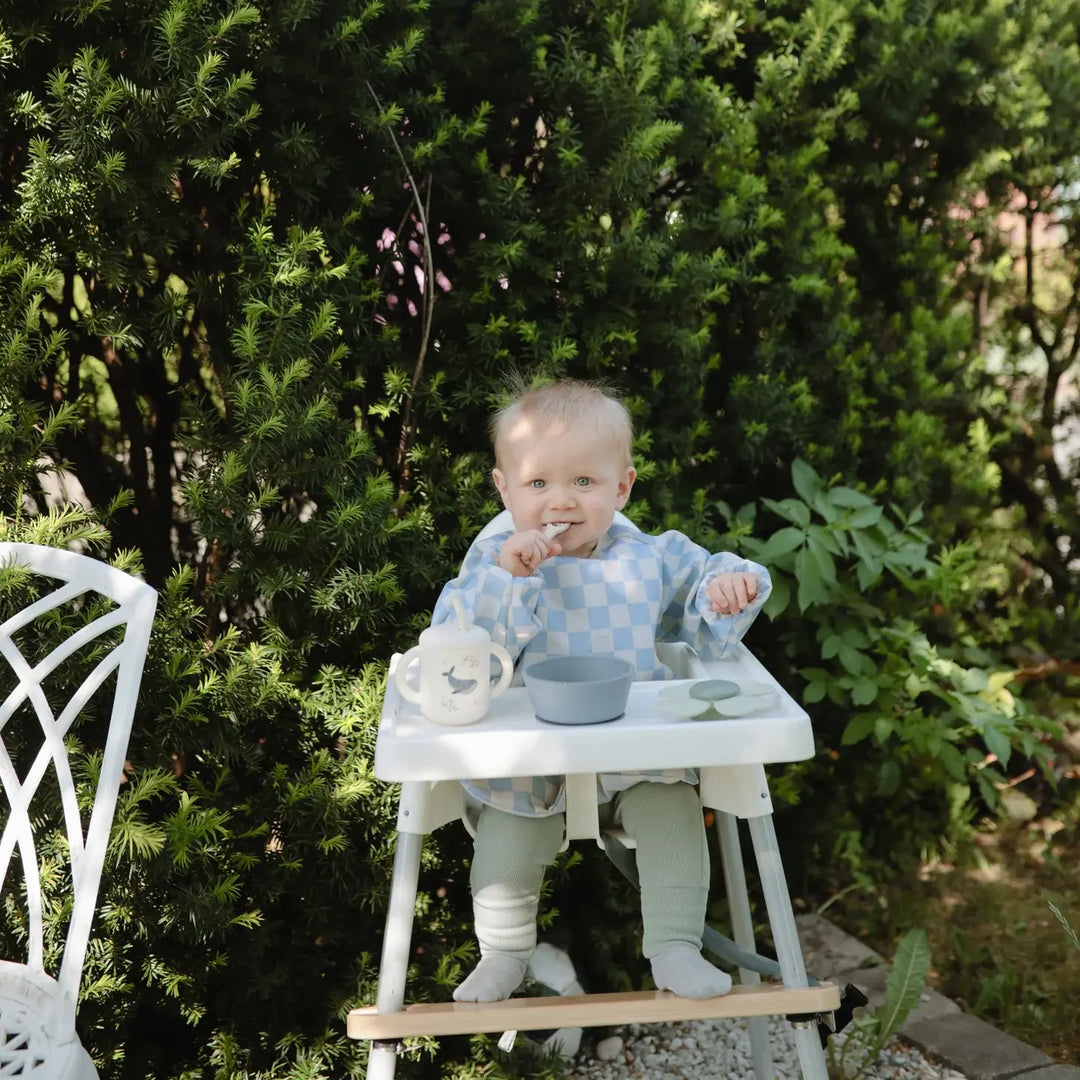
<point>634,590</point>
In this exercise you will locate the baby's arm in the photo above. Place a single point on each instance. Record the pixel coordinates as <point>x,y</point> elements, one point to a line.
<point>500,602</point>
<point>710,600</point>
<point>523,552</point>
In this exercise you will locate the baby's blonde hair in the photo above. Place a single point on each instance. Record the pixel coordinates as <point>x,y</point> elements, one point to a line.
<point>567,402</point>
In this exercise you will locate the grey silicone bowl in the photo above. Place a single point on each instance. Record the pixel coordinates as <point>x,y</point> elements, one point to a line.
<point>586,689</point>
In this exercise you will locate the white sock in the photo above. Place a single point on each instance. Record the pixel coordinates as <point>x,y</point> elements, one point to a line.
<point>683,970</point>
<point>496,977</point>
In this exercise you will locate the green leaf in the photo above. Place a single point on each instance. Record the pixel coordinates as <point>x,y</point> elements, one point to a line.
<point>987,790</point>
<point>746,514</point>
<point>861,727</point>
<point>953,761</point>
<point>864,691</point>
<point>997,742</point>
<point>781,543</point>
<point>791,510</point>
<point>888,778</point>
<point>912,555</point>
<point>904,986</point>
<point>867,574</point>
<point>834,542</point>
<point>811,588</point>
<point>864,517</point>
<point>825,508</point>
<point>779,598</point>
<point>845,496</point>
<point>806,480</point>
<point>822,560</point>
<point>855,661</point>
<point>136,838</point>
<point>868,545</point>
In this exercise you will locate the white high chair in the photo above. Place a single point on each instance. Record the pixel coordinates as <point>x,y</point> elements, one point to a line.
<point>430,760</point>
<point>37,1010</point>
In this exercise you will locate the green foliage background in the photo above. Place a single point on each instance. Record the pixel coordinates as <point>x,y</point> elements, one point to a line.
<point>264,268</point>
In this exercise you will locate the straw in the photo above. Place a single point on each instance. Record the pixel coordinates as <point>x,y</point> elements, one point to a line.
<point>462,618</point>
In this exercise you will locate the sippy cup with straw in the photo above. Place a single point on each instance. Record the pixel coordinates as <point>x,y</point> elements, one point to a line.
<point>455,671</point>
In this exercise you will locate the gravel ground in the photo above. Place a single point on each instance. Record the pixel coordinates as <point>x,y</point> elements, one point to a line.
<point>720,1050</point>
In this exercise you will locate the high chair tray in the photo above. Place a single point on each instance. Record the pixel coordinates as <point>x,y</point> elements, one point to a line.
<point>511,741</point>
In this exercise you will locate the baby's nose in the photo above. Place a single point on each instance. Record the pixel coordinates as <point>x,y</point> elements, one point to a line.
<point>562,496</point>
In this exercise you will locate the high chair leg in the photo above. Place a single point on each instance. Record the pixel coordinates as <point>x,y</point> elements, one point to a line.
<point>397,944</point>
<point>742,927</point>
<point>785,937</point>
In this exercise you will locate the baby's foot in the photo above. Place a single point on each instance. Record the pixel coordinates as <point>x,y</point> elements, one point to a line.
<point>683,970</point>
<point>496,977</point>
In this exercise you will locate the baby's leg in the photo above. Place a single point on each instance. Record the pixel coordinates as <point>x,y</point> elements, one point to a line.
<point>673,866</point>
<point>510,855</point>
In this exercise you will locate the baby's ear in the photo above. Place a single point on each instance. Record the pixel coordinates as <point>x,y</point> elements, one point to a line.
<point>500,483</point>
<point>625,484</point>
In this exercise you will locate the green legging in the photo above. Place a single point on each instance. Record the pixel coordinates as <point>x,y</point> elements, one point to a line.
<point>511,853</point>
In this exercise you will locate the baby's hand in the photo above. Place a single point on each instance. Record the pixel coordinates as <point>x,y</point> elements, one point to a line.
<point>730,593</point>
<point>523,552</point>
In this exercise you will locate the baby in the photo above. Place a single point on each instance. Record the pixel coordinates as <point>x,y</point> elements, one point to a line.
<point>567,580</point>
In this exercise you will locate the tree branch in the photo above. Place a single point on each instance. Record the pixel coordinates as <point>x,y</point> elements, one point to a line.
<point>428,300</point>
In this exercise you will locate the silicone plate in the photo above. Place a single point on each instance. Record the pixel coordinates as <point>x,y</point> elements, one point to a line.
<point>715,699</point>
<point>744,706</point>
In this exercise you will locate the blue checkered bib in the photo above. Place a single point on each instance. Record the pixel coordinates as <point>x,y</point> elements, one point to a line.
<point>634,590</point>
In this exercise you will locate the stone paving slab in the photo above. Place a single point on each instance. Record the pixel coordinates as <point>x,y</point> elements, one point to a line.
<point>938,1027</point>
<point>975,1048</point>
<point>1053,1072</point>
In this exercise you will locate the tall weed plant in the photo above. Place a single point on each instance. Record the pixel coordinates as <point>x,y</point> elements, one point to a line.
<point>856,1050</point>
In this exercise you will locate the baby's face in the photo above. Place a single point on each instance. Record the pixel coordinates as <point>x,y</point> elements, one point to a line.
<point>562,475</point>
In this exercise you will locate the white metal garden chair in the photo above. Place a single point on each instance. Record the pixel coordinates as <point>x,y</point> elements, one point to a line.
<point>428,760</point>
<point>37,1009</point>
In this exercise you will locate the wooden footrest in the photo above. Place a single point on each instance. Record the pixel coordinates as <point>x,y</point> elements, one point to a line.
<point>588,1010</point>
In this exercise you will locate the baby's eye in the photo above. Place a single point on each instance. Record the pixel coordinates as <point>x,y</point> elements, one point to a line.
<point>583,481</point>
<point>536,485</point>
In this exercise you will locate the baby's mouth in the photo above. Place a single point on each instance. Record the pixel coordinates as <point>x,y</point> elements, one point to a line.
<point>553,528</point>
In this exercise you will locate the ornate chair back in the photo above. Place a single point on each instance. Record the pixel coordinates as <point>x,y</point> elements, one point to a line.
<point>80,639</point>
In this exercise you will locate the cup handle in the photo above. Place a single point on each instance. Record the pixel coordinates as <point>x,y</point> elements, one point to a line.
<point>507,672</point>
<point>402,669</point>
